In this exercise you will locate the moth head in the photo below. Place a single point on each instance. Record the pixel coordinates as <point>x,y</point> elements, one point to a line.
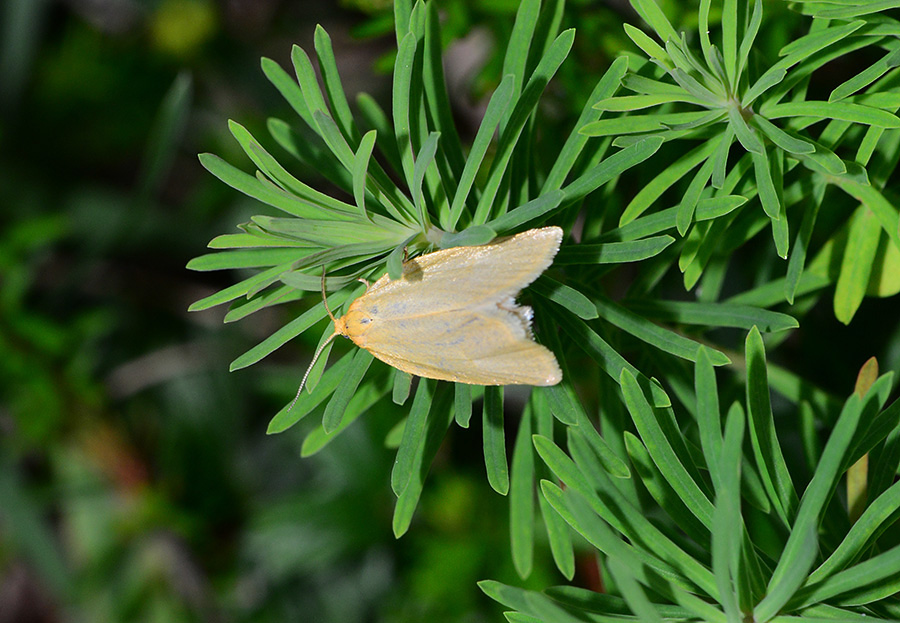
<point>354,324</point>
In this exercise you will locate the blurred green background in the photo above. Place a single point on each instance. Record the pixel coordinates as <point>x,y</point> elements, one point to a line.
<point>136,479</point>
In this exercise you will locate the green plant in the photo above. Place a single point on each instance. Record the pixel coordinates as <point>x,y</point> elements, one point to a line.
<point>690,522</point>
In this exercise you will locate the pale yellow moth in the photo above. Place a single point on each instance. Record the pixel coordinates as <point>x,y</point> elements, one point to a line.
<point>452,314</point>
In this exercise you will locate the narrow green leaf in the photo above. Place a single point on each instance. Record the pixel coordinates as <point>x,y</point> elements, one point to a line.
<point>664,456</point>
<point>499,102</point>
<point>242,288</point>
<point>801,549</point>
<point>516,57</point>
<point>471,237</point>
<point>378,120</point>
<point>859,576</point>
<point>367,395</point>
<point>749,38</point>
<point>560,539</point>
<point>769,459</point>
<point>768,194</point>
<point>402,18</point>
<point>653,190</point>
<point>436,96</point>
<point>607,458</point>
<point>527,212</point>
<point>401,386</point>
<point>639,124</point>
<point>709,419</point>
<point>495,440</point>
<point>660,490</point>
<point>288,88</point>
<point>269,194</point>
<point>700,93</point>
<point>632,592</point>
<point>745,134</point>
<point>721,157</point>
<point>625,518</point>
<point>856,113</point>
<point>401,101</point>
<point>866,8</point>
<point>533,607</point>
<point>653,15</point>
<point>650,47</point>
<point>288,332</point>
<point>652,334</point>
<point>807,45</point>
<point>309,149</point>
<point>773,76</point>
<point>867,76</point>
<point>801,243</point>
<point>414,434</point>
<point>332,81</point>
<point>628,103</point>
<point>309,85</point>
<point>567,297</point>
<point>360,170</point>
<point>462,408</point>
<point>580,514</point>
<point>726,549</point>
<point>613,252</point>
<point>691,197</point>
<point>874,521</point>
<point>517,119</point>
<point>397,256</point>
<point>886,213</point>
<point>306,402</point>
<point>607,358</point>
<point>703,31</point>
<point>781,138</point>
<point>333,138</point>
<point>429,441</point>
<point>714,314</point>
<point>261,300</point>
<point>576,141</point>
<point>730,41</point>
<point>521,498</point>
<point>424,159</point>
<point>334,410</point>
<point>856,264</point>
<point>611,167</point>
<point>582,599</point>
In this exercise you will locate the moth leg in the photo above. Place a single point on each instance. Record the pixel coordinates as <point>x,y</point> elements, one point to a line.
<point>365,281</point>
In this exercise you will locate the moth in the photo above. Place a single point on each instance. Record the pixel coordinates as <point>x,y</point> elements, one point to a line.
<point>452,314</point>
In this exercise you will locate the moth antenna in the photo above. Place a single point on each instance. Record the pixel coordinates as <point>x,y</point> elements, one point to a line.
<point>309,369</point>
<point>325,300</point>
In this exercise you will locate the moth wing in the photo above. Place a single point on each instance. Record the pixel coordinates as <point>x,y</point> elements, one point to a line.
<point>486,345</point>
<point>464,276</point>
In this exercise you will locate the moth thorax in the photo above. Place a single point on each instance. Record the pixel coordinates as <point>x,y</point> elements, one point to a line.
<point>355,325</point>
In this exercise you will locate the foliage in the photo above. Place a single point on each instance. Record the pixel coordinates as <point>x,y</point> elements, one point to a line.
<point>690,521</point>
<point>724,173</point>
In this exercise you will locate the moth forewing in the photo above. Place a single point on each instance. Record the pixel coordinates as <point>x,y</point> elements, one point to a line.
<point>452,315</point>
<point>484,346</point>
<point>462,276</point>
